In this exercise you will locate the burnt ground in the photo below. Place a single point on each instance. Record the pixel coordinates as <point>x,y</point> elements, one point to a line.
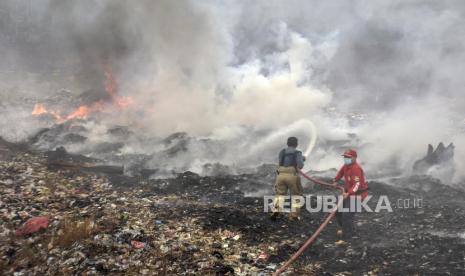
<point>426,240</point>
<point>192,225</point>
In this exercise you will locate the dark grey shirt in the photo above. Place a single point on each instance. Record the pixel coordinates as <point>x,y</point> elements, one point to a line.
<point>288,158</point>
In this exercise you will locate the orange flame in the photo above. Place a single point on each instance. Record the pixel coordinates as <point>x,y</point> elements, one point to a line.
<point>110,87</point>
<point>83,111</point>
<point>39,109</point>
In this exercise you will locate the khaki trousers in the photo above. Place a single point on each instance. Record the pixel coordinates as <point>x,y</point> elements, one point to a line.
<point>288,180</point>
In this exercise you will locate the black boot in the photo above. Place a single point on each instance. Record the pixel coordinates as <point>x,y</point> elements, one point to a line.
<point>274,216</point>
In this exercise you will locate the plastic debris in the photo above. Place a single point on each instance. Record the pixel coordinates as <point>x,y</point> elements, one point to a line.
<point>341,243</point>
<point>263,257</point>
<point>33,225</point>
<point>137,244</point>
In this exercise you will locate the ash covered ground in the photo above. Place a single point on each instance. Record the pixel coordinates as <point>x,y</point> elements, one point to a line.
<point>103,222</point>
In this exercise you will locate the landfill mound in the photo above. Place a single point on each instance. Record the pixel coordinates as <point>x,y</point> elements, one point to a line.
<point>69,221</point>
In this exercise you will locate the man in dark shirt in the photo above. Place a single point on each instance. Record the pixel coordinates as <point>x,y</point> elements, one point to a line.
<point>290,161</point>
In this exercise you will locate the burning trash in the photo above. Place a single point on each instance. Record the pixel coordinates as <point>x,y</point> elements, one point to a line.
<point>84,111</point>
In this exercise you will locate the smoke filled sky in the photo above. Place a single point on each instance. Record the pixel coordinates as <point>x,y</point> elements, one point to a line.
<point>207,67</point>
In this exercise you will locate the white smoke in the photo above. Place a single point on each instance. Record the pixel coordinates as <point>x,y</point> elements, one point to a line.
<point>224,70</point>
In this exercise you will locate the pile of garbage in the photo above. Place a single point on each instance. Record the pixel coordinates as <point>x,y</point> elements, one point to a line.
<point>70,221</point>
<point>67,222</point>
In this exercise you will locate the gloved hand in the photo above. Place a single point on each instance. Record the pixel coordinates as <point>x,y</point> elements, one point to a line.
<point>304,158</point>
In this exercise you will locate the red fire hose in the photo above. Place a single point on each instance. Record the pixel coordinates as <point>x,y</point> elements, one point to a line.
<point>318,231</point>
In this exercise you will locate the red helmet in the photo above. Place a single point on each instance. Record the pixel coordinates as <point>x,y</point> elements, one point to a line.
<point>350,153</point>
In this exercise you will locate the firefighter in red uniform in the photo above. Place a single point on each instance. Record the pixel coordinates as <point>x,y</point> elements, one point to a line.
<point>355,188</point>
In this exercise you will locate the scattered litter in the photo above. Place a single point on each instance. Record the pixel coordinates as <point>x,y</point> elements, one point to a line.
<point>263,257</point>
<point>33,225</point>
<point>341,243</point>
<point>137,244</point>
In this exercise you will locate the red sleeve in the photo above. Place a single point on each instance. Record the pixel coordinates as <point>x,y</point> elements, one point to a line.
<point>357,176</point>
<point>340,174</point>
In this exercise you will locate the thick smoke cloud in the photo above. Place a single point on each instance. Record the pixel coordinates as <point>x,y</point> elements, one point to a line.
<point>389,72</point>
